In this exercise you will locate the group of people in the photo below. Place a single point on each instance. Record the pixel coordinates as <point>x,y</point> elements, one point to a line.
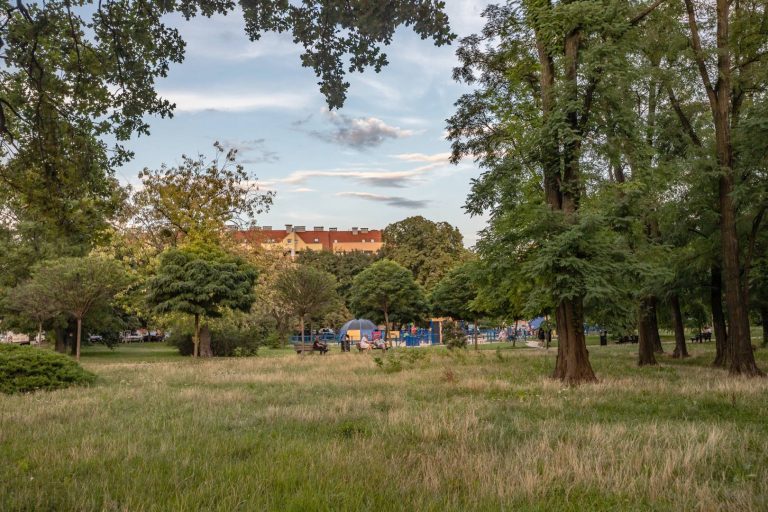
<point>370,345</point>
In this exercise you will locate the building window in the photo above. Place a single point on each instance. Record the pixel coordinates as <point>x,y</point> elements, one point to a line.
<point>373,241</point>
<point>317,240</point>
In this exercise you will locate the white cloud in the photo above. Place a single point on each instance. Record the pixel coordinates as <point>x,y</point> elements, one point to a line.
<point>421,157</point>
<point>359,133</point>
<point>229,101</point>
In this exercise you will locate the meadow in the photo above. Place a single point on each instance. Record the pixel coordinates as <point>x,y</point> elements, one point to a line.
<point>418,429</point>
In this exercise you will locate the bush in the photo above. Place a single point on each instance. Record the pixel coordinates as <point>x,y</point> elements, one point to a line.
<point>226,341</point>
<point>25,369</point>
<point>400,359</point>
<point>453,335</point>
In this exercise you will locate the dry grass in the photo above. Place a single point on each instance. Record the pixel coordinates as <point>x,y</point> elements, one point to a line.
<point>473,431</point>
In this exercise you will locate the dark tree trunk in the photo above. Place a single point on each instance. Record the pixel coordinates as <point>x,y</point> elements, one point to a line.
<point>61,340</point>
<point>572,364</point>
<point>653,324</point>
<point>475,333</point>
<point>718,317</point>
<point>647,331</point>
<point>205,342</point>
<point>681,350</point>
<point>764,319</point>
<point>79,337</point>
<point>196,340</point>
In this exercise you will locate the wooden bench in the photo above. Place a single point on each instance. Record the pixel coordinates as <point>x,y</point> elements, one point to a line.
<point>308,348</point>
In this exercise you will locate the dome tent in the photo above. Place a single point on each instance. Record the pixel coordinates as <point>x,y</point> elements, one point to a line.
<point>357,328</point>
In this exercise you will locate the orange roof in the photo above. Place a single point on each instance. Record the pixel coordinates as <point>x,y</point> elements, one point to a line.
<point>326,238</point>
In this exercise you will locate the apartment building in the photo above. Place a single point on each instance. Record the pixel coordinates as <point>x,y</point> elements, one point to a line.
<point>295,239</point>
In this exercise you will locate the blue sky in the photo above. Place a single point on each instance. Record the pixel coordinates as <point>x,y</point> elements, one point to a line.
<point>381,158</point>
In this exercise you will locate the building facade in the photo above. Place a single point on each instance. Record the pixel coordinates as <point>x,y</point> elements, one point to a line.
<point>295,239</point>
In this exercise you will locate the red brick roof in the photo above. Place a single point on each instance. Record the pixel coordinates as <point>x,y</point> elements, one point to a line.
<point>326,238</point>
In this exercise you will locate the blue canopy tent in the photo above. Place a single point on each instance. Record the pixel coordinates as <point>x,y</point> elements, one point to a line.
<point>536,322</point>
<point>357,328</point>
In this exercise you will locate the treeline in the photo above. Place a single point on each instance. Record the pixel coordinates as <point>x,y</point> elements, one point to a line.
<point>623,148</point>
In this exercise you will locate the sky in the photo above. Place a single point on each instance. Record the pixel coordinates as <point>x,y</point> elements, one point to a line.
<point>380,159</point>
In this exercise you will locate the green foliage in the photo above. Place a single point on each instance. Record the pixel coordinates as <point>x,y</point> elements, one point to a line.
<point>428,249</point>
<point>227,340</point>
<point>455,294</point>
<point>397,360</point>
<point>201,280</point>
<point>453,335</point>
<point>307,291</point>
<point>344,266</point>
<point>26,369</point>
<point>196,199</point>
<point>387,291</point>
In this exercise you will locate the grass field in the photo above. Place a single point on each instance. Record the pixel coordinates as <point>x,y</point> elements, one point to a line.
<point>479,430</point>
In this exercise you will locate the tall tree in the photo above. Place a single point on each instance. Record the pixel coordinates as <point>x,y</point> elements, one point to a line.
<point>307,292</point>
<point>426,248</point>
<point>538,68</point>
<point>387,290</point>
<point>731,42</point>
<point>79,285</point>
<point>197,199</point>
<point>201,280</point>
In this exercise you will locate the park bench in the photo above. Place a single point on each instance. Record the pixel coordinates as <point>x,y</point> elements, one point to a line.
<point>308,348</point>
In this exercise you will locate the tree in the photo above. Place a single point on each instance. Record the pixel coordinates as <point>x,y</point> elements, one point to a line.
<point>79,285</point>
<point>344,266</point>
<point>33,299</point>
<point>455,295</point>
<point>428,249</point>
<point>307,292</point>
<point>387,290</point>
<point>201,280</point>
<point>196,200</point>
<point>539,68</point>
<point>736,38</point>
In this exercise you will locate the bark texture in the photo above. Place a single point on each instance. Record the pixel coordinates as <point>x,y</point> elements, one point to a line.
<point>647,331</point>
<point>681,349</point>
<point>718,317</point>
<point>205,342</point>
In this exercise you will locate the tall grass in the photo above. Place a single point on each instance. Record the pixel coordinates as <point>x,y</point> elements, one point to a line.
<point>453,431</point>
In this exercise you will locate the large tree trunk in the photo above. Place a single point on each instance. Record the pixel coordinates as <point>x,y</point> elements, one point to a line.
<point>741,359</point>
<point>718,317</point>
<point>386,325</point>
<point>681,350</point>
<point>196,339</point>
<point>645,328</point>
<point>572,364</point>
<point>61,339</point>
<point>653,324</point>
<point>79,336</point>
<point>205,342</point>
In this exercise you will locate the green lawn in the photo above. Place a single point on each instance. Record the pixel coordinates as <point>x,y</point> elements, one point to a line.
<point>462,430</point>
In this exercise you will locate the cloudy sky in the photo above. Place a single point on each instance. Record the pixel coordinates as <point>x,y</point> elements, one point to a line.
<point>380,159</point>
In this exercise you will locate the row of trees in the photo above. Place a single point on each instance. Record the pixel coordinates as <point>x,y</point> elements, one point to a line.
<point>624,167</point>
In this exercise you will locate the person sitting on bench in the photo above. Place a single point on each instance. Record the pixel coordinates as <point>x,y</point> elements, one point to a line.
<point>319,345</point>
<point>364,345</point>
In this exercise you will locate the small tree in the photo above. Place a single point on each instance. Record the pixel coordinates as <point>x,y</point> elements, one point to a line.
<point>388,289</point>
<point>455,295</point>
<point>307,292</point>
<point>201,280</point>
<point>78,285</point>
<point>33,300</point>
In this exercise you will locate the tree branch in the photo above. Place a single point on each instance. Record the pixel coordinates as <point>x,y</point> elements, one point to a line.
<point>699,53</point>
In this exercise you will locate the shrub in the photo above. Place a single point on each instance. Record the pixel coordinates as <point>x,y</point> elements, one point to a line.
<point>453,335</point>
<point>25,369</point>
<point>401,359</point>
<point>226,341</point>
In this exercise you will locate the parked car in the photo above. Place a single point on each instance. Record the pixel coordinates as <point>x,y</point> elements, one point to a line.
<point>130,337</point>
<point>95,338</point>
<point>153,336</point>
